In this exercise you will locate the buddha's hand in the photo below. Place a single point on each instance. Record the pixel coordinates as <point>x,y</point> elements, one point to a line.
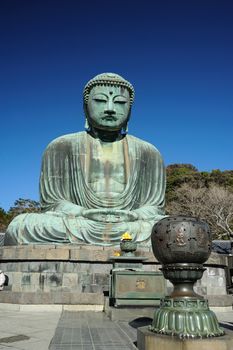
<point>67,208</point>
<point>110,215</point>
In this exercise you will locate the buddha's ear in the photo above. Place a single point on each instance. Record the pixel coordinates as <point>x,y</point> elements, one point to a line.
<point>85,109</point>
<point>87,126</point>
<point>124,129</point>
<point>129,114</point>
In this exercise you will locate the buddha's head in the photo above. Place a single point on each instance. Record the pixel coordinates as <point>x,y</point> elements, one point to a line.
<point>107,102</point>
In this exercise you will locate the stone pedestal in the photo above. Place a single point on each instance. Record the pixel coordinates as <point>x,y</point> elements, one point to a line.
<point>59,274</point>
<point>147,340</point>
<point>72,274</point>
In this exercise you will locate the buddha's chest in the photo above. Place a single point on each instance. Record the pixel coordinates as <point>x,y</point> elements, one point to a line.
<point>107,169</point>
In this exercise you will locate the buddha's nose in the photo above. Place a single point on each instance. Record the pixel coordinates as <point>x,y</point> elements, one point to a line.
<point>110,108</point>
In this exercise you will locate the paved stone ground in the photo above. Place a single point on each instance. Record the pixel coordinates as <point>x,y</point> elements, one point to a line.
<point>27,330</point>
<point>76,330</point>
<point>92,331</point>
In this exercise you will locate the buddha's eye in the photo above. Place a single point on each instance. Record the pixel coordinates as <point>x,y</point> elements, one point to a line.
<point>100,98</point>
<point>120,100</point>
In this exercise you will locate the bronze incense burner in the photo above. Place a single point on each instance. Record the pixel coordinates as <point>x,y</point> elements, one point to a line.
<point>182,244</point>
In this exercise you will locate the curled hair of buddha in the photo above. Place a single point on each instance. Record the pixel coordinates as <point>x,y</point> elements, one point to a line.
<point>106,79</point>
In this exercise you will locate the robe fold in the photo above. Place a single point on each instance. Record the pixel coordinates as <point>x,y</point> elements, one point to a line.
<point>66,194</point>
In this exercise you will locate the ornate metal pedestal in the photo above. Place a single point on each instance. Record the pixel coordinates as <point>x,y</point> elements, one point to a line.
<point>128,248</point>
<point>130,285</point>
<point>182,245</point>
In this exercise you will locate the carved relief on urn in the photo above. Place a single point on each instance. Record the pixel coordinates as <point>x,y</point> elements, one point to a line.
<point>181,239</point>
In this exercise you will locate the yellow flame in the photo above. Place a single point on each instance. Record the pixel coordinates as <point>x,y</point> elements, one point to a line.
<point>126,236</point>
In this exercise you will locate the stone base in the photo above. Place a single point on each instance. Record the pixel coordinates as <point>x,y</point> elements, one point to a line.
<point>60,274</point>
<point>53,297</point>
<point>127,313</point>
<point>65,270</point>
<point>147,340</point>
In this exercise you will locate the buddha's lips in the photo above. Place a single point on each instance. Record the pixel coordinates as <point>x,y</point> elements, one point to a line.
<point>109,117</point>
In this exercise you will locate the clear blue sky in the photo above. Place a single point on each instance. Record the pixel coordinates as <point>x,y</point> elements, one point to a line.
<point>177,54</point>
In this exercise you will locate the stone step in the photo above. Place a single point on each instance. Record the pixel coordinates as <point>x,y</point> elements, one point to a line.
<point>52,297</point>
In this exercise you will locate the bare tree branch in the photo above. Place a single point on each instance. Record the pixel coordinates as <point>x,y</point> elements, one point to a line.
<point>213,204</point>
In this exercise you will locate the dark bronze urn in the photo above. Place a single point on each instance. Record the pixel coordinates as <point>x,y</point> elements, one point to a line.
<point>182,244</point>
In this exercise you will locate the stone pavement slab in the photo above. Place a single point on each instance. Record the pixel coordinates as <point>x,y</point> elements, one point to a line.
<point>27,330</point>
<point>90,331</point>
<point>41,328</point>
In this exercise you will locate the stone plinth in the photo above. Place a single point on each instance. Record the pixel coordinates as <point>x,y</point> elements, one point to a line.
<point>71,274</point>
<point>71,252</point>
<point>55,274</point>
<point>147,340</point>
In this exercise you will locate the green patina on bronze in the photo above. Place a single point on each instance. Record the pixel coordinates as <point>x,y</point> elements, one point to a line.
<point>185,318</point>
<point>182,244</point>
<point>130,284</point>
<point>128,248</point>
<point>99,183</point>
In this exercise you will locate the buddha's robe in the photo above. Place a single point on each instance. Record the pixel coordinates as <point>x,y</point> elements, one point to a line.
<point>89,195</point>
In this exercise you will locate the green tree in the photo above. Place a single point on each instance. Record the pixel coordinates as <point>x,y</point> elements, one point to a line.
<point>4,220</point>
<point>177,174</point>
<point>22,205</point>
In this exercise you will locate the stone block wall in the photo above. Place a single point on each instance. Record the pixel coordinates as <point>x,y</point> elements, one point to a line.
<point>61,276</point>
<point>56,274</point>
<point>213,282</point>
<point>70,274</point>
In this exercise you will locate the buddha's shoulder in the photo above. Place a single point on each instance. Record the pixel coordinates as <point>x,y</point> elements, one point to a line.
<point>142,144</point>
<point>67,139</point>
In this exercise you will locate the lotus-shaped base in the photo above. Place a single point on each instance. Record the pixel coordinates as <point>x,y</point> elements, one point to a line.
<point>185,318</point>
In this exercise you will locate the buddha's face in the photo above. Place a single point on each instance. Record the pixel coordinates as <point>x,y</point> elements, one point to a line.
<point>108,107</point>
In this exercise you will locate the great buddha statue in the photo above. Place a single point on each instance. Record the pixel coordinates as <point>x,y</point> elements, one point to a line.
<point>99,183</point>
